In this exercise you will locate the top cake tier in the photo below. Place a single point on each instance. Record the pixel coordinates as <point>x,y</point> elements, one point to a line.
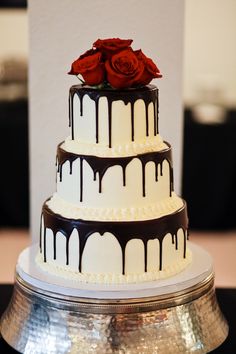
<point>113,118</point>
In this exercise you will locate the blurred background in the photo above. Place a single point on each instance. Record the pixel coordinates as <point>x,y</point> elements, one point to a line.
<point>209,144</point>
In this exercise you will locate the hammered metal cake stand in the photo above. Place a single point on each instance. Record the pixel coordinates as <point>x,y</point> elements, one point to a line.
<point>177,315</point>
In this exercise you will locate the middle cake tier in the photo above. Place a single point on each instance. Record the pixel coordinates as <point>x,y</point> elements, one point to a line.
<point>140,179</point>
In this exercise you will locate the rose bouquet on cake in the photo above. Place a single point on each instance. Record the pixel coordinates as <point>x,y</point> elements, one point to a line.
<point>113,63</point>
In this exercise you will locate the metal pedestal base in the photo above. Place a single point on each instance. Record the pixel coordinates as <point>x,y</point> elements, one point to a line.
<point>185,321</point>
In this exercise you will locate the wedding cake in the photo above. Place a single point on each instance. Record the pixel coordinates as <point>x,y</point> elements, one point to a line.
<point>115,217</point>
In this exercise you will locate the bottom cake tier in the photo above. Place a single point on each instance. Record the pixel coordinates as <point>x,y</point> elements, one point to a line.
<point>113,251</point>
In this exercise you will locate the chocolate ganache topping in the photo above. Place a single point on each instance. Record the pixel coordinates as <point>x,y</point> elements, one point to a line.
<point>123,231</point>
<point>147,93</point>
<point>100,165</point>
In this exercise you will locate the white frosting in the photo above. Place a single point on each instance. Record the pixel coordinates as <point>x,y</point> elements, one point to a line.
<point>145,212</point>
<point>140,146</point>
<point>109,271</point>
<point>85,125</point>
<point>102,254</point>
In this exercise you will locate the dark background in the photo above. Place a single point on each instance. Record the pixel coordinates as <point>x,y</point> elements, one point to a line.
<point>209,172</point>
<point>13,4</point>
<point>14,175</point>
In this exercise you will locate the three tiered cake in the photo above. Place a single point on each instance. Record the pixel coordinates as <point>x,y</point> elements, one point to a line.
<point>114,217</point>
<point>113,230</point>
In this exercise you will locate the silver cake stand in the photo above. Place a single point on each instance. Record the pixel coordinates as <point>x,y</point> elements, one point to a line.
<point>176,315</point>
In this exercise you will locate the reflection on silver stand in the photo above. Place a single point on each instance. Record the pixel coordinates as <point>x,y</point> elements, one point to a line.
<point>44,319</point>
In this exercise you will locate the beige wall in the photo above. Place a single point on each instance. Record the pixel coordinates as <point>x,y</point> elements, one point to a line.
<point>59,32</point>
<point>13,33</point>
<point>209,41</point>
<point>210,49</point>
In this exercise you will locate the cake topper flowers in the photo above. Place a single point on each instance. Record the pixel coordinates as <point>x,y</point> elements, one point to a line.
<point>113,63</point>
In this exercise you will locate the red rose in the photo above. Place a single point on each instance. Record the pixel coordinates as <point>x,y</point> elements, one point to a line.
<point>111,46</point>
<point>123,69</point>
<point>90,66</point>
<point>88,52</point>
<point>150,71</point>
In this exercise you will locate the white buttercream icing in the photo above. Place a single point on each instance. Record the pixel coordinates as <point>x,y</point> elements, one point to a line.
<point>109,278</point>
<point>152,211</point>
<point>141,146</point>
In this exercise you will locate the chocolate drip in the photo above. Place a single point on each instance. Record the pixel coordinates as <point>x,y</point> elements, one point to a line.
<point>156,172</point>
<point>96,118</point>
<point>171,180</point>
<point>69,103</point>
<point>155,119</point>
<point>81,98</point>
<point>67,250</point>
<point>147,93</point>
<point>186,232</point>
<point>147,123</point>
<point>40,235</point>
<point>100,183</point>
<point>61,159</point>
<point>44,242</point>
<point>71,119</point>
<point>145,255</point>
<point>71,163</point>
<point>101,164</point>
<point>160,253</point>
<point>161,169</point>
<point>123,262</point>
<point>176,242</point>
<point>124,175</point>
<point>109,122</point>
<point>81,179</point>
<point>132,121</point>
<point>124,231</point>
<point>54,248</point>
<point>157,113</point>
<point>143,178</point>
